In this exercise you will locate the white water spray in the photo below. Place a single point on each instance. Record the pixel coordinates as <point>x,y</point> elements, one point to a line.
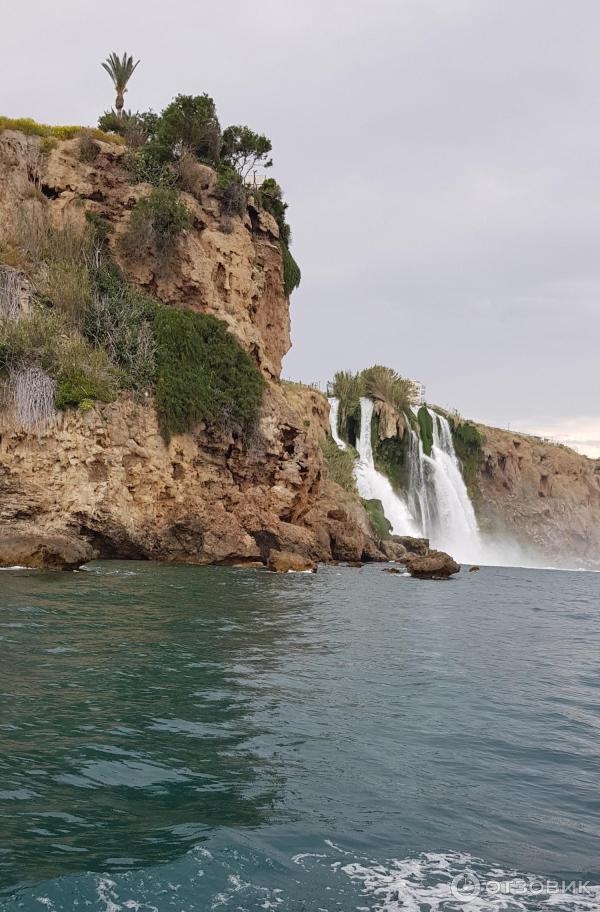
<point>372,484</point>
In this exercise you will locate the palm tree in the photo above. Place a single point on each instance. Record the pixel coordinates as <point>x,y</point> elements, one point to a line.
<point>120,71</point>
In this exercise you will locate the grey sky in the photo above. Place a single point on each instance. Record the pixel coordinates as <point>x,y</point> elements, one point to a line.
<point>441,161</point>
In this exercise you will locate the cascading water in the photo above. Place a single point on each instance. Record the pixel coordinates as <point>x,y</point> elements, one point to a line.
<point>372,484</point>
<point>437,502</point>
<point>334,411</point>
<point>452,523</point>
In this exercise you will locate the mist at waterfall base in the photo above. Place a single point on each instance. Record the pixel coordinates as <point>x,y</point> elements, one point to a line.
<point>437,505</point>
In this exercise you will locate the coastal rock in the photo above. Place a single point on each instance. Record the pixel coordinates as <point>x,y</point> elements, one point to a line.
<point>542,495</point>
<point>412,544</point>
<point>434,565</point>
<point>284,561</point>
<point>44,552</point>
<point>393,550</point>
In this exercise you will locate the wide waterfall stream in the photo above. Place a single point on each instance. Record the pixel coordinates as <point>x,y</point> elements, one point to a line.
<point>437,505</point>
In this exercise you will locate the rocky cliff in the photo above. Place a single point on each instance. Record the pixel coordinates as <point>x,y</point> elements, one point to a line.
<point>542,495</point>
<point>105,478</point>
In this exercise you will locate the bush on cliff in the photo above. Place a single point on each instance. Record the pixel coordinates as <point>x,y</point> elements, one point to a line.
<point>340,464</point>
<point>426,429</point>
<point>191,121</point>
<point>203,373</point>
<point>468,445</point>
<point>117,320</point>
<point>380,523</point>
<point>157,221</point>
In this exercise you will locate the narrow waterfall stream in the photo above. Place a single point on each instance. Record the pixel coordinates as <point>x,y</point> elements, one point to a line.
<point>372,484</point>
<point>334,411</point>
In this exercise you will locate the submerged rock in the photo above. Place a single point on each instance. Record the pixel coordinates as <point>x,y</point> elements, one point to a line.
<point>473,569</point>
<point>44,552</point>
<point>434,565</point>
<point>283,561</point>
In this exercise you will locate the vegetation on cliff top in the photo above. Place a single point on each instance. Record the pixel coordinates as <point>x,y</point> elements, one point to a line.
<point>164,147</point>
<point>88,333</point>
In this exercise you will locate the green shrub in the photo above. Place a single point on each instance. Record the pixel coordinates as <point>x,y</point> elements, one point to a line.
<point>203,373</point>
<point>390,457</point>
<point>271,198</point>
<point>230,191</point>
<point>291,270</point>
<point>117,321</point>
<point>380,523</point>
<point>88,147</point>
<point>84,373</point>
<point>468,445</point>
<point>191,121</point>
<point>147,165</point>
<point>157,221</point>
<point>69,288</point>
<point>340,464</point>
<point>426,429</point>
<point>245,150</point>
<point>34,340</point>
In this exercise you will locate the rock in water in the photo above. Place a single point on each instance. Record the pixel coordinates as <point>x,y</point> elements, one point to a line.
<point>411,544</point>
<point>473,569</point>
<point>434,565</point>
<point>283,561</point>
<point>44,552</point>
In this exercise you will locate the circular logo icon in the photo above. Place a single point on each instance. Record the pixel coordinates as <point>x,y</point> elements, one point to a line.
<point>465,886</point>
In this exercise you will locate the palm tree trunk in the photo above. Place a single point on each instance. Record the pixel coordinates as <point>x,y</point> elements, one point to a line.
<point>119,103</point>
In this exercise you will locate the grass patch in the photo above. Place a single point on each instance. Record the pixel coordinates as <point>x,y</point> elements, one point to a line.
<point>340,464</point>
<point>30,127</point>
<point>203,373</point>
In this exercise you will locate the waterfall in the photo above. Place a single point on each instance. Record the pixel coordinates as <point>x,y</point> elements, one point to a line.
<point>372,484</point>
<point>334,410</point>
<point>452,523</point>
<point>437,504</point>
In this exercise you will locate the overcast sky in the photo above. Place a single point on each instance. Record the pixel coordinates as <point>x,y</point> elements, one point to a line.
<point>441,159</point>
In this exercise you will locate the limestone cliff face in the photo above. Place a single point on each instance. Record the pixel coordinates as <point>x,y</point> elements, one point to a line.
<point>235,274</point>
<point>105,479</point>
<point>545,496</point>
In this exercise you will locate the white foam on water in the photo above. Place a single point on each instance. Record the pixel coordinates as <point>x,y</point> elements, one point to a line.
<point>429,881</point>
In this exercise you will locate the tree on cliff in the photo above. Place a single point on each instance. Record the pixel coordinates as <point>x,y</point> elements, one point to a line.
<point>120,71</point>
<point>191,122</point>
<point>245,150</point>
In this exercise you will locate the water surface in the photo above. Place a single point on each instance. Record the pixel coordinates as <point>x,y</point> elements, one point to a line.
<point>212,738</point>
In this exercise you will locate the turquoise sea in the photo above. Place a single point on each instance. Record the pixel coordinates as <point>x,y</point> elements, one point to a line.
<point>176,738</point>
